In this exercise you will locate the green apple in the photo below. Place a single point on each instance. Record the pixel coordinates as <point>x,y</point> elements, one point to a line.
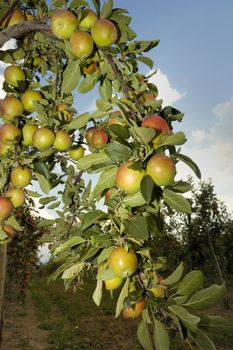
<point>104,32</point>
<point>43,138</point>
<point>62,140</point>
<point>21,176</point>
<point>13,74</point>
<point>76,152</point>
<point>88,19</point>
<point>16,195</point>
<point>28,131</point>
<point>63,24</point>
<point>128,179</point>
<point>10,107</point>
<point>162,169</point>
<point>81,44</point>
<point>9,134</point>
<point>28,98</point>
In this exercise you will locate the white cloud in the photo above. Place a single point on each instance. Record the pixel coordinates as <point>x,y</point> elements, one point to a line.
<point>167,93</point>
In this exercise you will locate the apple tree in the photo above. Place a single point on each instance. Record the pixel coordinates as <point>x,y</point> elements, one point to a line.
<point>129,142</point>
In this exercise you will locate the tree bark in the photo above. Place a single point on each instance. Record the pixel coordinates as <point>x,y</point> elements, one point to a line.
<point>3,251</point>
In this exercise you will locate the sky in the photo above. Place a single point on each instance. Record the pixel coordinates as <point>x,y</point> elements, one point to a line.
<point>195,75</point>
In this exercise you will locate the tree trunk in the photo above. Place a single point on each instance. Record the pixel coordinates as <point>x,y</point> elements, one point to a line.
<point>3,251</point>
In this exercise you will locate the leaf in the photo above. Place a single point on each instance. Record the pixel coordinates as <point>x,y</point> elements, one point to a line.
<point>43,182</point>
<point>88,82</point>
<point>72,242</point>
<point>120,131</point>
<point>73,271</point>
<point>216,324</point>
<point>106,9</point>
<point>92,159</point>
<point>71,76</point>
<point>145,134</point>
<point>161,337</point>
<point>77,3</point>
<point>178,138</point>
<point>143,335</point>
<point>134,200</point>
<point>104,255</point>
<point>118,152</point>
<point>190,163</point>
<point>103,105</point>
<point>123,294</point>
<point>176,201</point>
<point>97,295</point>
<point>105,274</point>
<point>96,4</point>
<point>191,283</point>
<point>47,200</point>
<point>147,186</point>
<point>146,60</point>
<point>180,186</point>
<point>33,194</point>
<point>105,90</point>
<point>207,297</point>
<point>106,180</point>
<point>188,320</point>
<point>137,228</point>
<point>203,341</point>
<point>92,218</point>
<point>14,223</point>
<point>79,122</point>
<point>175,276</point>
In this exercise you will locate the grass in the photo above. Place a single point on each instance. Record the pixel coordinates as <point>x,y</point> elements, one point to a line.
<point>74,322</point>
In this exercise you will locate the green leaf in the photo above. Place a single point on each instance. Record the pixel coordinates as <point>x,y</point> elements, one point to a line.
<point>43,182</point>
<point>203,341</point>
<point>137,228</point>
<point>33,194</point>
<point>216,324</point>
<point>105,90</point>
<point>72,242</point>
<point>120,131</point>
<point>96,4</point>
<point>73,271</point>
<point>178,138</point>
<point>161,336</point>
<point>143,335</point>
<point>77,3</point>
<point>106,9</point>
<point>102,105</point>
<point>47,200</point>
<point>146,60</point>
<point>118,152</point>
<point>134,200</point>
<point>190,163</point>
<point>6,57</point>
<point>92,159</point>
<point>92,218</point>
<point>176,201</point>
<point>88,82</point>
<point>71,76</point>
<point>175,276</point>
<point>145,134</point>
<point>191,283</point>
<point>106,180</point>
<point>97,295</point>
<point>147,186</point>
<point>123,294</point>
<point>104,255</point>
<point>188,320</point>
<point>14,223</point>
<point>180,186</point>
<point>207,297</point>
<point>105,274</point>
<point>79,122</point>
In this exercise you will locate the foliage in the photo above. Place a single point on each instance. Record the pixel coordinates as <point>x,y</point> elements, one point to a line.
<point>84,235</point>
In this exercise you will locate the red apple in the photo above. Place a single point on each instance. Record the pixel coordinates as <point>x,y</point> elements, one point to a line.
<point>9,134</point>
<point>10,107</point>
<point>63,24</point>
<point>162,169</point>
<point>6,208</point>
<point>128,179</point>
<point>99,138</point>
<point>104,32</point>
<point>62,140</point>
<point>89,134</point>
<point>115,118</point>
<point>160,126</point>
<point>81,44</point>
<point>21,176</point>
<point>43,138</point>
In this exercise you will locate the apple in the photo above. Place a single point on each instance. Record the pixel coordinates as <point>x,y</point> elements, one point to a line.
<point>104,32</point>
<point>9,134</point>
<point>28,131</point>
<point>8,229</point>
<point>162,169</point>
<point>128,179</point>
<point>81,44</point>
<point>99,138</point>
<point>90,68</point>
<point>63,24</point>
<point>160,126</point>
<point>43,138</point>
<point>123,263</point>
<point>113,283</point>
<point>88,19</point>
<point>134,310</point>
<point>76,152</point>
<point>29,97</point>
<point>16,195</point>
<point>89,134</point>
<point>116,118</point>
<point>5,148</point>
<point>21,176</point>
<point>15,18</point>
<point>10,107</point>
<point>146,97</point>
<point>62,107</point>
<point>13,74</point>
<point>62,140</point>
<point>6,208</point>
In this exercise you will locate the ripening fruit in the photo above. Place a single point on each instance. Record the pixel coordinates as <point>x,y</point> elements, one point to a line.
<point>113,283</point>
<point>6,208</point>
<point>62,140</point>
<point>5,148</point>
<point>160,126</point>
<point>162,169</point>
<point>28,131</point>
<point>10,107</point>
<point>13,74</point>
<point>122,263</point>
<point>16,195</point>
<point>99,139</point>
<point>21,176</point>
<point>89,134</point>
<point>128,179</point>
<point>134,310</point>
<point>115,118</point>
<point>63,24</point>
<point>104,32</point>
<point>29,97</point>
<point>15,18</point>
<point>76,152</point>
<point>146,97</point>
<point>62,107</point>
<point>90,68</point>
<point>9,134</point>
<point>43,138</point>
<point>88,19</point>
<point>158,292</point>
<point>8,229</point>
<point>81,44</point>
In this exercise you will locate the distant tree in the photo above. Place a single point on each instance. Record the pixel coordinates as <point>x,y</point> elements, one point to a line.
<point>228,246</point>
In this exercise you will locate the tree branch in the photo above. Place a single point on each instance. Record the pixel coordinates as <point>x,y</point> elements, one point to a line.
<point>17,30</point>
<point>8,12</point>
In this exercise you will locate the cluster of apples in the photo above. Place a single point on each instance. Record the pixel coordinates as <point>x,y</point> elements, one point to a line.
<point>83,33</point>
